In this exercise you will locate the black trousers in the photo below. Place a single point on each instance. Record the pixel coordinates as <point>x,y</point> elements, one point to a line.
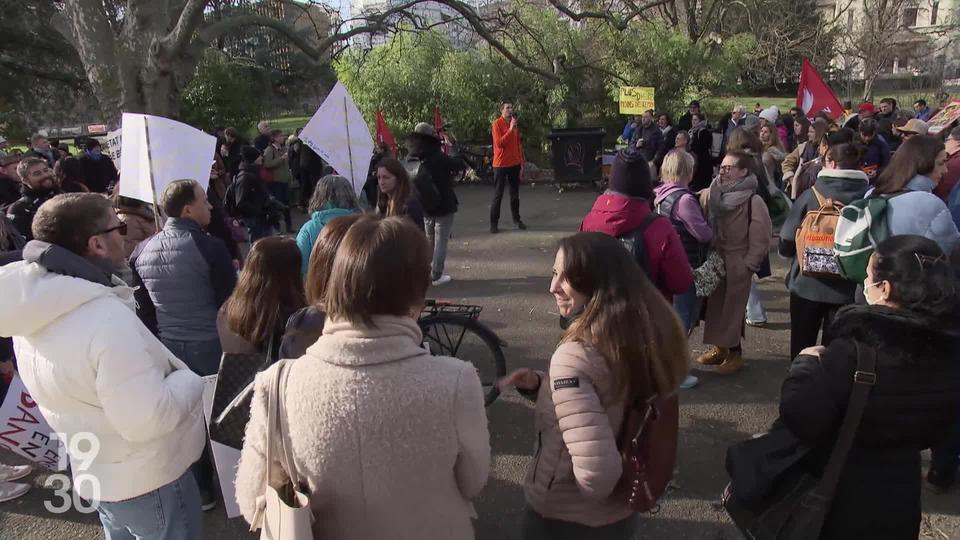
<point>502,176</point>
<point>807,318</point>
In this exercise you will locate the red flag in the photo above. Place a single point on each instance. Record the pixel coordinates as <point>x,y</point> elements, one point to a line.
<point>814,95</point>
<point>438,128</point>
<point>383,133</point>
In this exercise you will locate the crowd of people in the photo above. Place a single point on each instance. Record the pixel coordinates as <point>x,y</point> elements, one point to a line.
<point>116,313</point>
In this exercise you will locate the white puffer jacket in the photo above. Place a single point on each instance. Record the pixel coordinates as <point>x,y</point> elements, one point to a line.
<point>93,367</point>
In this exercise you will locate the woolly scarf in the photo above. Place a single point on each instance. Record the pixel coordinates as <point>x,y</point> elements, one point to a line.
<point>724,198</point>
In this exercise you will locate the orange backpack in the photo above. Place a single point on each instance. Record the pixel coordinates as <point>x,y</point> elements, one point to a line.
<point>815,252</point>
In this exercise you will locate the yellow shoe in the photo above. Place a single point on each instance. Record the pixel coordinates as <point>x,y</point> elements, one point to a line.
<point>713,356</point>
<point>731,364</point>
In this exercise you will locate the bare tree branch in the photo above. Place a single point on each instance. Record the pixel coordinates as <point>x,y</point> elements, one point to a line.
<point>190,18</point>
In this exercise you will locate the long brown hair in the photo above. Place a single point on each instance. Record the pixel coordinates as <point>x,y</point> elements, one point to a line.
<point>321,258</point>
<point>626,318</point>
<point>394,204</point>
<point>917,155</point>
<point>268,292</point>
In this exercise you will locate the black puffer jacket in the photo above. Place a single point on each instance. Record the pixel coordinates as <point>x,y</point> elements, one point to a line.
<point>22,211</point>
<point>911,407</point>
<point>252,195</point>
<point>441,169</point>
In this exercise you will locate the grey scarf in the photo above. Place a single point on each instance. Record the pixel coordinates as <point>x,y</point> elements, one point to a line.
<point>724,198</point>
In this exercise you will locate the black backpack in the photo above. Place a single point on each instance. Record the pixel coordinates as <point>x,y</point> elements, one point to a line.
<point>696,251</point>
<point>231,199</point>
<point>635,244</point>
<point>422,179</point>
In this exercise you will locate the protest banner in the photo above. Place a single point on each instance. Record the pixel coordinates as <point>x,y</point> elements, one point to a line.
<point>111,145</point>
<point>25,432</point>
<point>636,99</point>
<point>947,115</point>
<point>339,135</point>
<point>155,151</point>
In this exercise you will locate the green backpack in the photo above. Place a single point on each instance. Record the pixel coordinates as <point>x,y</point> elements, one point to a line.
<point>861,227</point>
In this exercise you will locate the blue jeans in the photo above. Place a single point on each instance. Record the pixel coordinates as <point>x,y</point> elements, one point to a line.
<point>687,306</point>
<point>755,311</point>
<point>438,236</point>
<point>257,229</point>
<point>171,512</point>
<point>203,358</point>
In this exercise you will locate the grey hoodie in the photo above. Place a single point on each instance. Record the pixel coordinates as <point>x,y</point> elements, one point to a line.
<point>843,186</point>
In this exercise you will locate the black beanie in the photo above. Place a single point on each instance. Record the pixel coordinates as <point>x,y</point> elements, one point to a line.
<point>630,174</point>
<point>249,154</point>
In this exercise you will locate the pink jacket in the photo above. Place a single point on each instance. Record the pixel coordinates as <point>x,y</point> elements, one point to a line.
<point>576,464</point>
<point>619,215</point>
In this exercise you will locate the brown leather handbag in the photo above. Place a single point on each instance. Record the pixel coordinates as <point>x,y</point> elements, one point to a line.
<point>648,448</point>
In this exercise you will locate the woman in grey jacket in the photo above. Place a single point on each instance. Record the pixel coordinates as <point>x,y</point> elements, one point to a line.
<point>603,359</point>
<point>908,181</point>
<point>813,300</point>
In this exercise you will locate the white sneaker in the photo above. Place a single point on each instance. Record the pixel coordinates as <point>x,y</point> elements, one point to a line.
<point>14,472</point>
<point>442,280</point>
<point>10,491</point>
<point>689,382</point>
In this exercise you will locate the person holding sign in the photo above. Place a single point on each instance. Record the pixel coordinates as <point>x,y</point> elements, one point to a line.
<point>507,165</point>
<point>129,410</point>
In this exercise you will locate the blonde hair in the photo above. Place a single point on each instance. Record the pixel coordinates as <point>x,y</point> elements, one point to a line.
<point>677,167</point>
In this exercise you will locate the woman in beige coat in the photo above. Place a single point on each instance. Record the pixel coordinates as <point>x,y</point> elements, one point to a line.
<point>625,342</point>
<point>389,441</point>
<point>742,230</point>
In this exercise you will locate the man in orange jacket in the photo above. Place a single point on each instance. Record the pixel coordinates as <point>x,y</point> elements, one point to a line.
<point>507,165</point>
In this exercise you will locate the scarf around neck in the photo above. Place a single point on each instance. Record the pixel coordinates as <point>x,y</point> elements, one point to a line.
<point>724,198</point>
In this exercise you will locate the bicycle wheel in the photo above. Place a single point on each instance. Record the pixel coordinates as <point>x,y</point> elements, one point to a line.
<point>464,338</point>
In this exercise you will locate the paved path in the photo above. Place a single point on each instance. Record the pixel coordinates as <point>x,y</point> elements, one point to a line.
<point>509,274</point>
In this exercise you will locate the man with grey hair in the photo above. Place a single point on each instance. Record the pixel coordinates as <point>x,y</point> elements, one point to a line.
<point>263,140</point>
<point>737,118</point>
<point>40,148</point>
<point>100,377</point>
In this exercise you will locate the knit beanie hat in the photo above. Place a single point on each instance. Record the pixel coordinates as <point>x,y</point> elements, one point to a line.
<point>771,114</point>
<point>630,174</point>
<point>750,121</point>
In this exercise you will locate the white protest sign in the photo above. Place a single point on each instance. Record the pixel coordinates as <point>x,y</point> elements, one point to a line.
<point>111,145</point>
<point>167,149</point>
<point>24,431</point>
<point>338,134</point>
<point>225,458</point>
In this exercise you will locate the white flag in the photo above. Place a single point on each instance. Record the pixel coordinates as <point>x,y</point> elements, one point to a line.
<point>176,152</point>
<point>339,135</point>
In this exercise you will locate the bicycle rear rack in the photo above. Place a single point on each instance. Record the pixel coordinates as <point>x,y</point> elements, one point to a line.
<point>435,307</point>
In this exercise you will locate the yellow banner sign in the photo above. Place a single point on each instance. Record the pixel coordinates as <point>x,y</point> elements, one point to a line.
<point>636,99</point>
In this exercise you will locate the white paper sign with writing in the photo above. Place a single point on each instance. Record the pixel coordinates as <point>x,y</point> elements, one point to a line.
<point>176,152</point>
<point>111,145</point>
<point>24,431</point>
<point>338,134</point>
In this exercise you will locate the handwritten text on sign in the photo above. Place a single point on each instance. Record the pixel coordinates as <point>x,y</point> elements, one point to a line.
<point>636,99</point>
<point>24,431</point>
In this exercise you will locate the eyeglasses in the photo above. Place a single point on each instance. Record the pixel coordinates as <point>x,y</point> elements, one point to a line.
<point>121,228</point>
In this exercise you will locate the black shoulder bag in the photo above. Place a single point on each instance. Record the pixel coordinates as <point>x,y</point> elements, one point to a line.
<point>800,503</point>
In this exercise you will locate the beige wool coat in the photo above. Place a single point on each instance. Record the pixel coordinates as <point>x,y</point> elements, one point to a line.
<point>742,238</point>
<point>392,443</point>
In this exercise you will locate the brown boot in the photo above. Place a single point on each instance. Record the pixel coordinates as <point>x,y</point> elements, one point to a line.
<point>731,364</point>
<point>713,356</point>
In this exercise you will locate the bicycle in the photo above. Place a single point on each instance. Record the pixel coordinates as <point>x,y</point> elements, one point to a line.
<point>453,330</point>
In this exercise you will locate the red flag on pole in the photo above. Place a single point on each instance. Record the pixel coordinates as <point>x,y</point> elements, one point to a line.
<point>438,128</point>
<point>383,133</point>
<point>814,94</point>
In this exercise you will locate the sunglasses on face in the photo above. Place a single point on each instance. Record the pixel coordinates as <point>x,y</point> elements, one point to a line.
<point>121,228</point>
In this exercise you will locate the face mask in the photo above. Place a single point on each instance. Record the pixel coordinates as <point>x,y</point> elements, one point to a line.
<point>867,287</point>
